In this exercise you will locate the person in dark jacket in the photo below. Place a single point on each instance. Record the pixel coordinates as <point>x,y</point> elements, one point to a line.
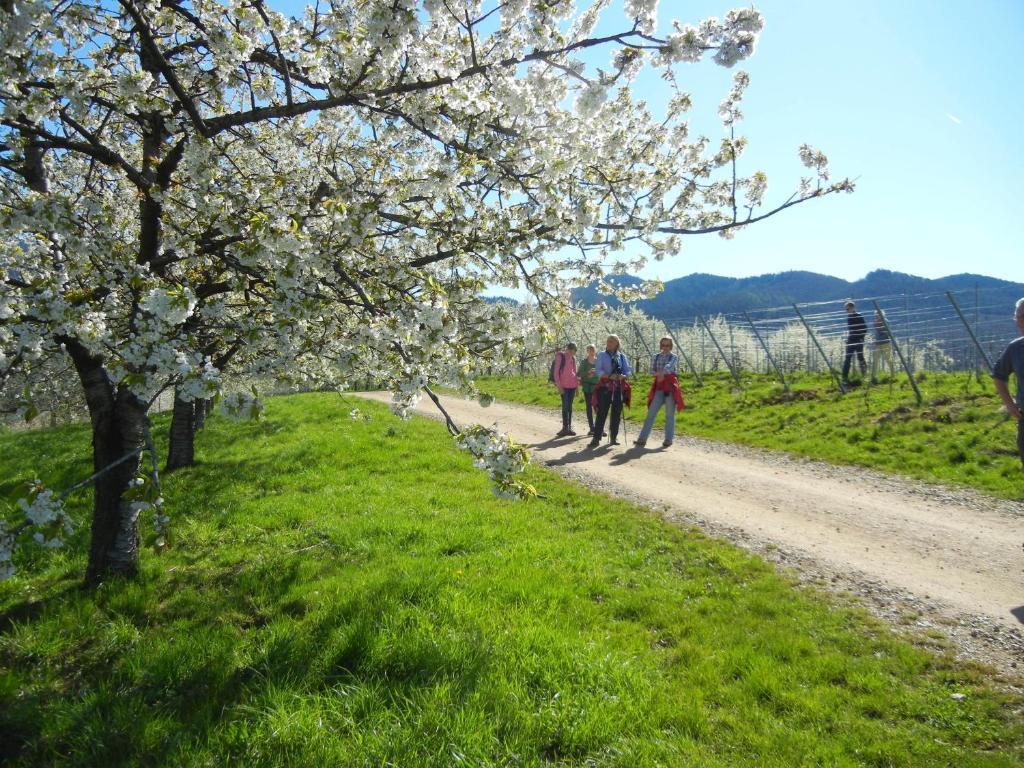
<point>588,380</point>
<point>1012,361</point>
<point>856,330</point>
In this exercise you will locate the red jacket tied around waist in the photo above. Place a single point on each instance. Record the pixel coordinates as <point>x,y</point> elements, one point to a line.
<point>616,386</point>
<point>670,385</point>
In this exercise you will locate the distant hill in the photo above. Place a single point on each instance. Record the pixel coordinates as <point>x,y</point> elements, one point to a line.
<point>500,300</point>
<point>704,294</point>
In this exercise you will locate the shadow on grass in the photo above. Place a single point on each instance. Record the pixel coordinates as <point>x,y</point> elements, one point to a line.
<point>221,641</point>
<point>30,610</point>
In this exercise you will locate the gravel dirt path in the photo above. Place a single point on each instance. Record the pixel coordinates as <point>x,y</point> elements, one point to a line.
<point>946,565</point>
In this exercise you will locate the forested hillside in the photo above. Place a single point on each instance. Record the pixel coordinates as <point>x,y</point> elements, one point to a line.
<point>704,294</point>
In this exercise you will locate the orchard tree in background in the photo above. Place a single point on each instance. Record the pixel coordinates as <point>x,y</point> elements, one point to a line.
<point>195,191</point>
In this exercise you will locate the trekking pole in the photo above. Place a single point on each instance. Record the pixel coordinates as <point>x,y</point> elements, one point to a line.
<point>611,410</point>
<point>622,413</point>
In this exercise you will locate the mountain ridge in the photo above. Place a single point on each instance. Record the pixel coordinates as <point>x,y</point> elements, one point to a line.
<point>702,293</point>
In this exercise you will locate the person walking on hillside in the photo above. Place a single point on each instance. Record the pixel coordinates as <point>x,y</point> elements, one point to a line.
<point>1012,361</point>
<point>563,370</point>
<point>664,390</point>
<point>612,390</point>
<point>881,352</point>
<point>856,330</point>
<point>588,380</point>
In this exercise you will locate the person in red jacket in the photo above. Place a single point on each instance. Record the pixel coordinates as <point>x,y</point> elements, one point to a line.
<point>664,391</point>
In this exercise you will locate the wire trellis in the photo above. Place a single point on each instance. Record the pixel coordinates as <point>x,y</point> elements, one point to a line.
<point>936,331</point>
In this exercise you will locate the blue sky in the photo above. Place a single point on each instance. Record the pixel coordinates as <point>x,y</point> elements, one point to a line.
<point>920,101</point>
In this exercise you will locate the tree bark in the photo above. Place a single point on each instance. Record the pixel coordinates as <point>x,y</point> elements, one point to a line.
<point>181,449</point>
<point>203,407</point>
<point>118,429</point>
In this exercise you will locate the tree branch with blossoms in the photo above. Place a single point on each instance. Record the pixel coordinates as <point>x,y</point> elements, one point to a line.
<point>181,179</point>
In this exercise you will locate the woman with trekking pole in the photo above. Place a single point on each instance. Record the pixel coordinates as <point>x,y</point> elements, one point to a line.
<point>612,390</point>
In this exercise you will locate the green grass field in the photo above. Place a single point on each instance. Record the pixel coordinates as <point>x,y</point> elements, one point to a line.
<point>349,593</point>
<point>959,434</point>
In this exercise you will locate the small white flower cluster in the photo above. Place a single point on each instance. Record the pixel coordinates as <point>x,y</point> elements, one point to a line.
<point>241,406</point>
<point>591,100</point>
<point>169,308</point>
<point>729,109</point>
<point>645,289</point>
<point>161,522</point>
<point>734,38</point>
<point>756,186</point>
<point>405,394</point>
<point>44,521</point>
<point>501,457</point>
<point>197,381</point>
<point>813,158</point>
<point>817,161</point>
<point>143,493</point>
<point>645,12</point>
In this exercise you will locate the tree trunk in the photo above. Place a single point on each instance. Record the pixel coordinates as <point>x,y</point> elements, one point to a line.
<point>203,407</point>
<point>118,428</point>
<point>181,449</point>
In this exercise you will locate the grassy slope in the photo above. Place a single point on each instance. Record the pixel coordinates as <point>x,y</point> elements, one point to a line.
<point>349,593</point>
<point>958,435</point>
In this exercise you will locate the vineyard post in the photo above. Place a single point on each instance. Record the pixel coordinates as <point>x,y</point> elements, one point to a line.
<point>977,320</point>
<point>767,353</point>
<point>732,345</point>
<point>703,351</point>
<point>640,336</point>
<point>728,362</point>
<point>811,335</point>
<point>899,352</point>
<point>906,327</point>
<point>967,325</point>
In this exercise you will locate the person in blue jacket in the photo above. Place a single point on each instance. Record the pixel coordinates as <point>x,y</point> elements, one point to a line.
<point>612,390</point>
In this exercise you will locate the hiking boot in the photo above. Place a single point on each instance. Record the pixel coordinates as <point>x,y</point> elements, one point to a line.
<point>639,443</point>
<point>562,433</point>
<point>571,433</point>
<point>667,444</point>
<point>594,443</point>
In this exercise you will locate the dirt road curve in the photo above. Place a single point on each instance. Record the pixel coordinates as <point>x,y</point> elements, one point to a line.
<point>957,554</point>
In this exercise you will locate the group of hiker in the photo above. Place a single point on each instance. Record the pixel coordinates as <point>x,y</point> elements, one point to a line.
<point>856,331</point>
<point>604,379</point>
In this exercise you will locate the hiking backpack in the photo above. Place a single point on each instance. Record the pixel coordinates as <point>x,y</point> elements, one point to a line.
<point>560,360</point>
